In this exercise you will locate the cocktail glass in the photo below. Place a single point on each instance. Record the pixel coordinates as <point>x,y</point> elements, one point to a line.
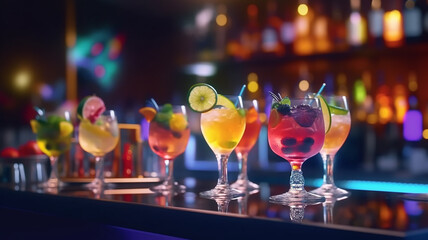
<point>296,134</point>
<point>169,133</point>
<point>222,128</point>
<point>98,139</point>
<point>53,135</point>
<point>247,142</point>
<point>334,139</point>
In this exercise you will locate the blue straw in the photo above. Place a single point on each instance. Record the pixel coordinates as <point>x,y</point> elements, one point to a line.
<point>240,94</point>
<point>154,103</point>
<point>319,91</point>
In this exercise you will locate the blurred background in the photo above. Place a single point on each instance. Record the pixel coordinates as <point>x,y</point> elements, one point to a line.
<point>54,53</point>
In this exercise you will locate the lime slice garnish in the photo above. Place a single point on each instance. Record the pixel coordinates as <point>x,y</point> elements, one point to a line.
<point>225,102</point>
<point>326,113</point>
<point>337,110</point>
<point>202,97</point>
<point>91,108</point>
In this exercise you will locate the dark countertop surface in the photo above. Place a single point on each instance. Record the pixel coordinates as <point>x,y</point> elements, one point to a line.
<point>363,215</point>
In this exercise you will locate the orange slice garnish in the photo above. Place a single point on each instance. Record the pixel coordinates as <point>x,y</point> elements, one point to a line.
<point>148,112</point>
<point>252,115</point>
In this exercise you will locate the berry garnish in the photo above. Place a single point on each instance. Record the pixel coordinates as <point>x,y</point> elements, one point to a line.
<point>282,105</point>
<point>287,150</point>
<point>284,109</point>
<point>308,141</point>
<point>304,148</point>
<point>304,115</point>
<point>288,141</point>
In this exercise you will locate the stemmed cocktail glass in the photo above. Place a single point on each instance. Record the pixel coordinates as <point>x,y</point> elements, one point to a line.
<point>222,128</point>
<point>334,139</point>
<point>247,142</point>
<point>99,138</point>
<point>296,132</point>
<point>53,132</point>
<point>169,133</point>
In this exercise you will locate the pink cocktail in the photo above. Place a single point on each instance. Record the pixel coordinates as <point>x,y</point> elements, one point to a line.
<point>296,133</point>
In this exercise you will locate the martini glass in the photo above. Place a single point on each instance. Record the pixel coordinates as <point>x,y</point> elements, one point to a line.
<point>53,136</point>
<point>222,128</point>
<point>296,133</point>
<point>169,133</point>
<point>334,139</point>
<point>98,139</point>
<point>247,142</point>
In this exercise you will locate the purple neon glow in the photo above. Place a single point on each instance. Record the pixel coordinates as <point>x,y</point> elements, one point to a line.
<point>46,91</point>
<point>412,125</point>
<point>268,99</point>
<point>144,129</point>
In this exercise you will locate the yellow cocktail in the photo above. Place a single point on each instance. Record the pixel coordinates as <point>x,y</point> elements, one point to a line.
<point>99,138</point>
<point>223,125</point>
<point>222,128</point>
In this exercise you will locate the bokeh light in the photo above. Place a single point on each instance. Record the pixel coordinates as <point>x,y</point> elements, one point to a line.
<point>96,49</point>
<point>304,85</point>
<point>221,20</point>
<point>46,91</point>
<point>253,86</point>
<point>22,81</point>
<point>302,9</point>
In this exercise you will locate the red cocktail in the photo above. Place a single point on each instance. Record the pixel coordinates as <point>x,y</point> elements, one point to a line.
<point>296,133</point>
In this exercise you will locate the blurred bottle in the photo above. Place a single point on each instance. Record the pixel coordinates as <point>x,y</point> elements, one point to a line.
<point>338,29</point>
<point>393,33</point>
<point>320,30</point>
<point>400,101</point>
<point>356,25</point>
<point>375,18</point>
<point>412,18</point>
<point>303,44</point>
<point>271,32</point>
<point>250,37</point>
<point>288,31</point>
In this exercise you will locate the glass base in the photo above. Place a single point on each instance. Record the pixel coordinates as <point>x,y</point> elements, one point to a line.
<point>222,191</point>
<point>416,196</point>
<point>245,185</point>
<point>292,197</point>
<point>164,187</point>
<point>52,183</point>
<point>330,191</point>
<point>96,184</point>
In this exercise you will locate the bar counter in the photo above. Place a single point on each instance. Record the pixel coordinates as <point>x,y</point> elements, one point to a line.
<point>131,209</point>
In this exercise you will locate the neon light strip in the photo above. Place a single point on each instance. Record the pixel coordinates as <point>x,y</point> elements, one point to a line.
<point>380,186</point>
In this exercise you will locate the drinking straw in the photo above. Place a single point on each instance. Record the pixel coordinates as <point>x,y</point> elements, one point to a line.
<point>318,93</point>
<point>240,94</point>
<point>155,104</point>
<point>39,111</point>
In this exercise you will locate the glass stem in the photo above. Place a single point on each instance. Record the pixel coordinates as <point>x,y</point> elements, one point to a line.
<point>168,172</point>
<point>328,212</point>
<point>242,159</point>
<point>297,213</point>
<point>328,169</point>
<point>297,182</point>
<point>54,168</point>
<point>223,205</point>
<point>99,167</point>
<point>222,169</point>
